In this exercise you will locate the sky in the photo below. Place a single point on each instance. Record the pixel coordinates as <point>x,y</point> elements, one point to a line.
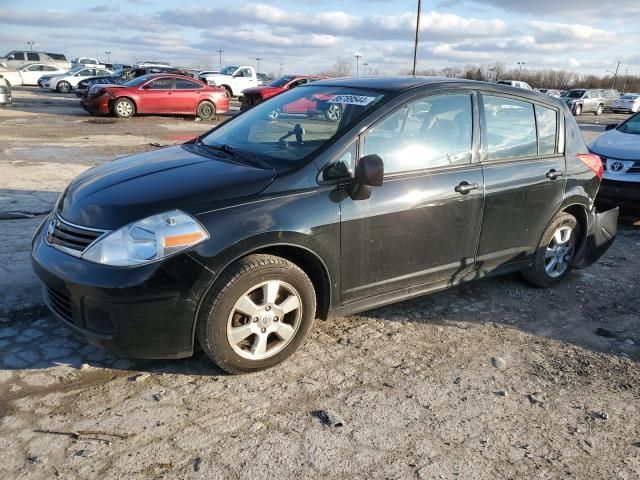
<point>308,36</point>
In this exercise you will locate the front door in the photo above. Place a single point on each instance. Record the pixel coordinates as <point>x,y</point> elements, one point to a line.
<point>422,224</point>
<point>157,96</point>
<point>525,176</point>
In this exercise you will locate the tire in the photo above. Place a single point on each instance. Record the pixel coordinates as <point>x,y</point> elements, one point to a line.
<point>123,108</point>
<point>577,110</point>
<point>206,110</point>
<point>228,90</point>
<point>550,265</point>
<point>333,114</point>
<point>238,300</point>
<point>63,87</point>
<point>599,110</point>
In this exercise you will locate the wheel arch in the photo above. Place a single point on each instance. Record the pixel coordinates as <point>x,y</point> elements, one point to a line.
<point>126,97</point>
<point>308,261</point>
<point>579,211</point>
<point>227,88</point>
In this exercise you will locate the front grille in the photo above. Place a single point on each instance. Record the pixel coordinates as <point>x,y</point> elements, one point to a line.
<point>60,303</point>
<point>71,237</point>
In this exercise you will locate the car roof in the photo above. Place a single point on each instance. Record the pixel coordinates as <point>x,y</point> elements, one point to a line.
<point>398,84</point>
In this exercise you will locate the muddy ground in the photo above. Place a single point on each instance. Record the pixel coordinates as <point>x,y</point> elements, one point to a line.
<point>492,380</point>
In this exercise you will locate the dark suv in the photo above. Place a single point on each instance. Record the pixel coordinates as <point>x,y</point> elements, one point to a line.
<point>240,238</point>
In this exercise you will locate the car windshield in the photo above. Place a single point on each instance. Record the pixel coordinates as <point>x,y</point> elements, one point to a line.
<point>136,81</point>
<point>632,125</point>
<point>228,70</point>
<point>289,127</point>
<point>281,82</point>
<point>575,94</point>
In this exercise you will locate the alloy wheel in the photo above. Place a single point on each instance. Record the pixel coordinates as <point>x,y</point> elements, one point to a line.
<point>264,320</point>
<point>559,252</point>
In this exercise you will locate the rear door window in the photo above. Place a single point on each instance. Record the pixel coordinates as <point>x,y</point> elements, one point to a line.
<point>547,120</point>
<point>183,84</point>
<point>511,128</point>
<point>427,133</point>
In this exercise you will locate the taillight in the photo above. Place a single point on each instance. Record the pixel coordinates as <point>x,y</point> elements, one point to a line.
<point>593,161</point>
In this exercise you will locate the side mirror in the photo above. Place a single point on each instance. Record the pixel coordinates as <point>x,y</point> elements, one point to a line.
<point>369,173</point>
<point>611,126</point>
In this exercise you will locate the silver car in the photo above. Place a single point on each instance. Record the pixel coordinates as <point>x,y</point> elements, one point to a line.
<point>582,100</point>
<point>627,103</point>
<point>619,148</point>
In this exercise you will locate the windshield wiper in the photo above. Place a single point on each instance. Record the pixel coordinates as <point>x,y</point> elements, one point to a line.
<point>232,152</point>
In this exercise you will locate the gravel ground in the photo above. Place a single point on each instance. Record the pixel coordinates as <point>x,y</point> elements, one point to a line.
<point>494,379</point>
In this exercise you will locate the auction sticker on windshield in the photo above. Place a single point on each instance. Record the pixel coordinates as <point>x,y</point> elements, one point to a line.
<point>352,99</point>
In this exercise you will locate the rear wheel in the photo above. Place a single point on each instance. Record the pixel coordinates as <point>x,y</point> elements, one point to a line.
<point>257,314</point>
<point>334,113</point>
<point>123,108</point>
<point>599,110</point>
<point>63,87</point>
<point>206,110</point>
<point>577,110</point>
<point>274,114</point>
<point>552,260</point>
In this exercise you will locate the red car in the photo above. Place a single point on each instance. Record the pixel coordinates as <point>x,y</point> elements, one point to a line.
<point>158,94</point>
<point>254,96</point>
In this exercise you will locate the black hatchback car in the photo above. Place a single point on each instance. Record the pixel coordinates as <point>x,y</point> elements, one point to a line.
<point>240,238</point>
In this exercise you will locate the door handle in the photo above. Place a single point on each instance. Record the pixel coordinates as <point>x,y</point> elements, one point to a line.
<point>553,174</point>
<point>465,187</point>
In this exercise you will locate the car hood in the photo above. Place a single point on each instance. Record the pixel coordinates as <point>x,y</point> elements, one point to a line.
<point>614,143</point>
<point>131,188</point>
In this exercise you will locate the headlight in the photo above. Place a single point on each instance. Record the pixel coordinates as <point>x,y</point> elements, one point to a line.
<point>147,240</point>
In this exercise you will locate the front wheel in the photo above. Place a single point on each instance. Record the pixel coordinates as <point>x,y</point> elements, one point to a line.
<point>257,314</point>
<point>599,110</point>
<point>64,87</point>
<point>552,260</point>
<point>334,113</point>
<point>124,108</point>
<point>206,110</point>
<point>577,110</point>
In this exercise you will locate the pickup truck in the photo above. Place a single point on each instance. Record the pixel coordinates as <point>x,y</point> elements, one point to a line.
<point>233,79</point>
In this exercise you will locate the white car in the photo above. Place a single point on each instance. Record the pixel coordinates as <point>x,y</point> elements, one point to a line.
<point>84,62</point>
<point>65,82</point>
<point>29,74</point>
<point>515,83</point>
<point>627,103</point>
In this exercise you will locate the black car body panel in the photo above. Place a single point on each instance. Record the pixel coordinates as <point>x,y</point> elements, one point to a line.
<point>414,234</point>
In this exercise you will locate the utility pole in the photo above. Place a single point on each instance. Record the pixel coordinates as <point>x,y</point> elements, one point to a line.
<point>613,82</point>
<point>624,83</point>
<point>357,56</point>
<point>520,64</point>
<point>415,45</point>
<point>31,44</point>
<point>220,51</point>
<point>258,60</point>
<point>108,54</point>
<point>281,65</point>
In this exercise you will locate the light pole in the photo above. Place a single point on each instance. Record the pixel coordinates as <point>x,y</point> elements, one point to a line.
<point>520,64</point>
<point>613,82</point>
<point>258,60</point>
<point>281,65</point>
<point>31,44</point>
<point>357,56</point>
<point>364,66</point>
<point>415,45</point>
<point>491,70</point>
<point>220,51</point>
<point>108,54</point>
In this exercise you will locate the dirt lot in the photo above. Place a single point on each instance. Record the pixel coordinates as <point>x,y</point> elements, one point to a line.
<point>493,380</point>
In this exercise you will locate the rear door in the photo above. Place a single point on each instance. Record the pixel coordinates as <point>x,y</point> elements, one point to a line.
<point>186,96</point>
<point>157,96</point>
<point>525,175</point>
<point>419,226</point>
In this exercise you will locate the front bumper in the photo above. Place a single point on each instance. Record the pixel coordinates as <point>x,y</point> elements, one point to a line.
<point>624,194</point>
<point>96,106</point>
<point>140,312</point>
